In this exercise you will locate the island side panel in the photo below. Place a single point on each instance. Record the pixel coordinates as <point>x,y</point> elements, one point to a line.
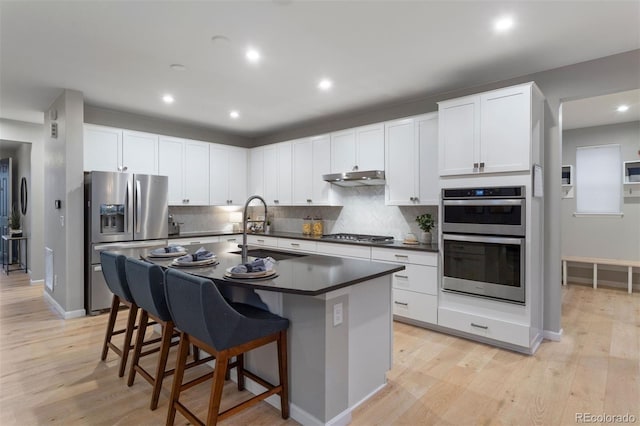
<point>370,337</point>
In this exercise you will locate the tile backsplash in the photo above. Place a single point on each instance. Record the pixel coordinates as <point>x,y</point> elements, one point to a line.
<point>363,212</point>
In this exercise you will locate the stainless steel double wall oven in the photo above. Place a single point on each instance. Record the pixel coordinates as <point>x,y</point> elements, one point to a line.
<point>484,242</point>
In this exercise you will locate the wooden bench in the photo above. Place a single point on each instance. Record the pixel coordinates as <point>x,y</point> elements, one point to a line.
<point>629,264</point>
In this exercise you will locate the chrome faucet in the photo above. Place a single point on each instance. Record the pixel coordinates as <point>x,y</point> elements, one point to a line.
<point>244,223</point>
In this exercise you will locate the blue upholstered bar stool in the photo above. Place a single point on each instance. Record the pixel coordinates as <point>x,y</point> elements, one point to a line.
<point>225,330</point>
<point>114,275</point>
<point>146,283</point>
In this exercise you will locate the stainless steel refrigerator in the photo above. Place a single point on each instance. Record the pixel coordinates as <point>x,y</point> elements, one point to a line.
<point>122,211</point>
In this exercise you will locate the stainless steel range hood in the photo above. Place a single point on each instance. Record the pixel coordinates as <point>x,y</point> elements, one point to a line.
<point>370,177</point>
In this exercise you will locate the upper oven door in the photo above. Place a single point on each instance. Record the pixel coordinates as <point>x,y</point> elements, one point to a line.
<point>484,216</point>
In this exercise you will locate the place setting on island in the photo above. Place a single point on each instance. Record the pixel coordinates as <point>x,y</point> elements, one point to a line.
<point>257,270</point>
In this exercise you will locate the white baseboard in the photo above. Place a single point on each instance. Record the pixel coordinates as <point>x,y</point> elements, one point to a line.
<point>554,336</point>
<point>295,412</point>
<point>601,282</point>
<point>36,282</point>
<point>64,314</point>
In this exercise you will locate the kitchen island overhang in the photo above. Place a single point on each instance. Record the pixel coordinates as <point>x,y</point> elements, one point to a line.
<point>340,335</point>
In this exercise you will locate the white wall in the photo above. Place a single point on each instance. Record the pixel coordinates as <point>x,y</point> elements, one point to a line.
<point>33,134</point>
<point>602,236</point>
<point>63,228</point>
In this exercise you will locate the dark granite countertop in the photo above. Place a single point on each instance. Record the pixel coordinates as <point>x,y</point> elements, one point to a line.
<point>298,236</point>
<point>311,274</point>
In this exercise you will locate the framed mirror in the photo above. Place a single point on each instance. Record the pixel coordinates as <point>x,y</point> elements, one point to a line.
<point>23,195</point>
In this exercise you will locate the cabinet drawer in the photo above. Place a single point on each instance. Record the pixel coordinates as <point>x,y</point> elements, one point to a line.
<point>261,240</point>
<point>194,241</point>
<point>405,256</point>
<point>417,306</point>
<point>504,331</point>
<point>231,239</point>
<point>345,250</point>
<point>301,245</point>
<point>418,278</point>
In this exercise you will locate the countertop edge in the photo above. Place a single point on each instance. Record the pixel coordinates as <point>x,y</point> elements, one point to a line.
<point>433,248</point>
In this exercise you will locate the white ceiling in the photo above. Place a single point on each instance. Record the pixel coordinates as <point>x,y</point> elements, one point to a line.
<point>118,53</point>
<point>601,110</point>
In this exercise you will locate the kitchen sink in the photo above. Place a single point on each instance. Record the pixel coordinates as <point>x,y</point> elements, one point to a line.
<point>276,254</point>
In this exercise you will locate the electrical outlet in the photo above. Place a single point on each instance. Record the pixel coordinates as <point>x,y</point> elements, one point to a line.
<point>62,221</point>
<point>337,314</point>
<point>55,281</point>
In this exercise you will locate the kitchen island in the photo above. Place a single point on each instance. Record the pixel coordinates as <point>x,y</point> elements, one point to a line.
<point>340,335</point>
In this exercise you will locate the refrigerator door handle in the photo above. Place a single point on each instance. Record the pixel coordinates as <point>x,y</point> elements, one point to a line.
<point>126,203</point>
<point>138,207</point>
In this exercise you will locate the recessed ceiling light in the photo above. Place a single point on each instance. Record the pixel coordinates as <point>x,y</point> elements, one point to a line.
<point>168,99</point>
<point>178,67</point>
<point>234,114</point>
<point>503,24</point>
<point>325,84</point>
<point>622,108</point>
<point>252,55</point>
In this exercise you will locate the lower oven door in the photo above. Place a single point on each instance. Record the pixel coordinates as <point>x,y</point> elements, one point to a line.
<point>486,266</point>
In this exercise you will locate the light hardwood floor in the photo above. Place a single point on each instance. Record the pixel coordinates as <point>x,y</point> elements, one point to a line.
<point>51,373</point>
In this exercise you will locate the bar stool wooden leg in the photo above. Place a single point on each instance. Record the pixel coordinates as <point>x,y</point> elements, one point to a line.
<point>181,361</point>
<point>165,345</point>
<point>222,361</point>
<point>240,371</point>
<point>115,304</point>
<point>284,374</point>
<point>142,329</point>
<point>126,347</point>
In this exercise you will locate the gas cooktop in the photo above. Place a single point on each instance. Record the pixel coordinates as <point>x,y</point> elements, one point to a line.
<point>359,238</point>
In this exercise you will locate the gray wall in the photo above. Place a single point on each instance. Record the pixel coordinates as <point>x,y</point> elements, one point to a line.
<point>131,121</point>
<point>597,77</point>
<point>31,136</point>
<point>602,236</point>
<point>63,168</point>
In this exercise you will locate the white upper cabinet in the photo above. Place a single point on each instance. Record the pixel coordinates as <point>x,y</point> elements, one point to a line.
<point>311,159</point>
<point>411,153</point>
<point>277,174</point>
<point>186,163</point>
<point>228,175</point>
<point>171,164</point>
<point>370,147</point>
<point>237,175</point>
<point>489,132</point>
<point>102,148</point>
<point>139,152</point>
<point>402,163</point>
<point>256,172</point>
<point>343,151</point>
<point>109,149</point>
<point>196,173</point>
<point>358,149</point>
<point>459,135</point>
<point>427,135</point>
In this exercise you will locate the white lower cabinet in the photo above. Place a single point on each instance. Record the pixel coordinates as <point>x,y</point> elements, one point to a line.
<point>416,306</point>
<point>344,250</point>
<point>300,245</point>
<point>194,241</point>
<point>480,325</point>
<point>261,240</point>
<point>415,289</point>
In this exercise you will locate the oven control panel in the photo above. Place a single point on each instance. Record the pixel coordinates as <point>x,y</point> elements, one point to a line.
<point>491,192</point>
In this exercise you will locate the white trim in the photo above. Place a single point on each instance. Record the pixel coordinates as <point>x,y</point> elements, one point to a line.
<point>64,314</point>
<point>36,282</point>
<point>373,392</point>
<point>576,214</point>
<point>554,336</point>
<point>295,412</point>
